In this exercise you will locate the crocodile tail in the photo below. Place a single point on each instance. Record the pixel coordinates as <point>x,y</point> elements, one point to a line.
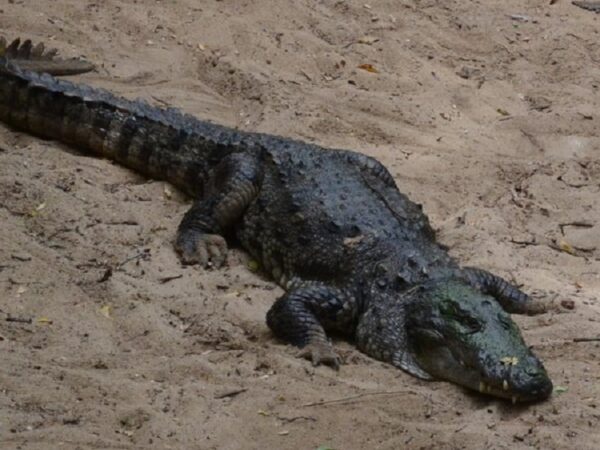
<point>39,59</point>
<point>158,143</point>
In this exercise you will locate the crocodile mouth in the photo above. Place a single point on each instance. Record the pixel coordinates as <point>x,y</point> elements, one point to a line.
<point>489,389</point>
<point>505,391</point>
<point>460,335</point>
<point>525,385</point>
<point>518,379</point>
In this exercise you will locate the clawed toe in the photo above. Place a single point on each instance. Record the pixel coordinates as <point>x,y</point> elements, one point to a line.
<point>207,250</point>
<point>320,353</point>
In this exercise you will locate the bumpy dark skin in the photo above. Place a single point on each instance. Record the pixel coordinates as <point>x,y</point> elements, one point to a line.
<point>354,255</point>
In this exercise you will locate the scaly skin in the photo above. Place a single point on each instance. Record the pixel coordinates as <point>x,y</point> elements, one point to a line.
<point>354,254</point>
<point>593,6</point>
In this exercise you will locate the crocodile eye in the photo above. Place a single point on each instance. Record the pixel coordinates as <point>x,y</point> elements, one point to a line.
<point>505,321</point>
<point>470,323</point>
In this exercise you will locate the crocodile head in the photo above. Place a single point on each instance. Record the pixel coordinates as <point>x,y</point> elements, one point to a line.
<point>455,333</point>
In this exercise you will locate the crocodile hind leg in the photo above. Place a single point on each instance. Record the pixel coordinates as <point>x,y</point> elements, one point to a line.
<point>302,315</point>
<point>510,297</point>
<point>231,187</point>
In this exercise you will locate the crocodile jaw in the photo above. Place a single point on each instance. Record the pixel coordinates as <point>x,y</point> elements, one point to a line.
<point>459,335</point>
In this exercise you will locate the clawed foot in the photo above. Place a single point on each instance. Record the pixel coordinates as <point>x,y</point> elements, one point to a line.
<point>200,248</point>
<point>320,353</point>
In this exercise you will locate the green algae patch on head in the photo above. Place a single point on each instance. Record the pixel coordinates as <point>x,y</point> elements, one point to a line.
<point>458,334</point>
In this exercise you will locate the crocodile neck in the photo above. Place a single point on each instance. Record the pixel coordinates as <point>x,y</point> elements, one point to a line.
<point>393,269</point>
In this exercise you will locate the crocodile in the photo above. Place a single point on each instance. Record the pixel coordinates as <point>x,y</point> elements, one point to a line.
<point>354,256</point>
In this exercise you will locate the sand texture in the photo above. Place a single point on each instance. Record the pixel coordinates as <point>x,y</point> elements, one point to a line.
<point>487,112</point>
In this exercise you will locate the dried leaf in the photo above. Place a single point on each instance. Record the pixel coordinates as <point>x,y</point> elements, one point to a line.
<point>560,389</point>
<point>567,304</point>
<point>263,413</point>
<point>368,40</point>
<point>253,266</point>
<point>37,209</point>
<point>106,311</point>
<point>44,320</point>
<point>566,247</point>
<point>368,68</point>
<point>233,293</point>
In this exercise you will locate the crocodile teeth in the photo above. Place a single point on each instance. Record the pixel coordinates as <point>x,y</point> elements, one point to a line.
<point>482,387</point>
<point>514,399</point>
<point>505,385</point>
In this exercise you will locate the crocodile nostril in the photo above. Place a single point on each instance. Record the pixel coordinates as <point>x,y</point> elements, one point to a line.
<point>544,388</point>
<point>533,368</point>
<point>538,385</point>
<point>533,373</point>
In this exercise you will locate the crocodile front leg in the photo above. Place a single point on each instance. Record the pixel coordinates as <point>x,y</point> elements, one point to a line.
<point>302,315</point>
<point>510,297</point>
<point>382,334</point>
<point>231,187</point>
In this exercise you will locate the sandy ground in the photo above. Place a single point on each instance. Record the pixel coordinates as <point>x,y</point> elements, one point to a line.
<point>489,120</point>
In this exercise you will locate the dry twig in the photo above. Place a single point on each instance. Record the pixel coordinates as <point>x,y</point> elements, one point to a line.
<point>583,339</point>
<point>355,397</point>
